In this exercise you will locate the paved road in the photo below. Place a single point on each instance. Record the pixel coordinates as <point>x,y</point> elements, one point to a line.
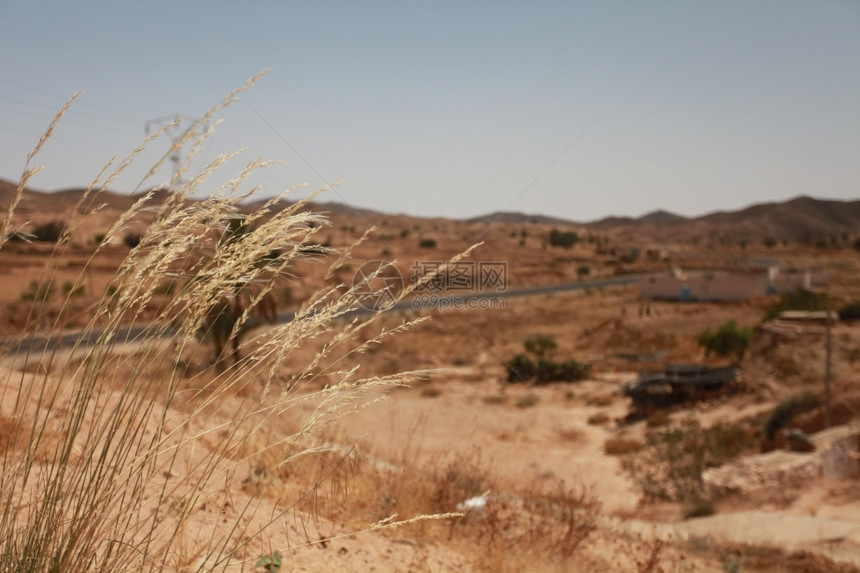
<point>39,343</point>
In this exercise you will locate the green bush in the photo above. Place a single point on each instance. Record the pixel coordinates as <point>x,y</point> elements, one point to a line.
<point>670,466</point>
<point>800,299</point>
<point>49,232</point>
<point>783,413</point>
<point>539,345</point>
<point>72,291</point>
<point>38,291</point>
<point>729,341</point>
<point>427,243</point>
<point>565,239</point>
<point>131,240</point>
<point>521,368</point>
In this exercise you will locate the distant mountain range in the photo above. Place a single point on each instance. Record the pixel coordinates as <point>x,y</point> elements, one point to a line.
<point>798,219</point>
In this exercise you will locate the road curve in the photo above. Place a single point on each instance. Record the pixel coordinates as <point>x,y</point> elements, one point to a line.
<point>36,344</point>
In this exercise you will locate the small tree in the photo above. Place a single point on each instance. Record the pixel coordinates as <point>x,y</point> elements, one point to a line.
<point>227,320</point>
<point>729,341</point>
<point>539,345</point>
<point>49,232</point>
<point>566,239</point>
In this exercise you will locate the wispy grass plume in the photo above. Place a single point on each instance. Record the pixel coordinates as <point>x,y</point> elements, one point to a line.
<point>116,456</point>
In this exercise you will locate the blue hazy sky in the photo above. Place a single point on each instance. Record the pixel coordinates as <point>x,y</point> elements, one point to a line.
<point>572,109</point>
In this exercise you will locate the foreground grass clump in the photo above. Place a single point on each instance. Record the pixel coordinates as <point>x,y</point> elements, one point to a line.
<point>670,466</point>
<point>503,527</point>
<point>113,455</point>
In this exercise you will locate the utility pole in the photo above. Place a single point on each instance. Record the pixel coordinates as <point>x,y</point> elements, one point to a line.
<point>828,372</point>
<point>175,156</point>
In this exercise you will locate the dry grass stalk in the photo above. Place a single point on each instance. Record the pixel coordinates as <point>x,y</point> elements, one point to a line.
<point>107,459</point>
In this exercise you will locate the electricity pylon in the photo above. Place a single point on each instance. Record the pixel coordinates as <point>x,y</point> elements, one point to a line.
<point>176,155</point>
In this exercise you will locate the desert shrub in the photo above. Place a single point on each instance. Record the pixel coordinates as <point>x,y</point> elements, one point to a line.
<point>427,243</point>
<point>598,419</point>
<point>528,401</point>
<point>539,345</point>
<point>49,232</point>
<point>783,412</point>
<point>513,529</point>
<point>800,299</point>
<point>38,291</point>
<point>542,370</point>
<point>619,446</point>
<point>658,419</point>
<point>566,371</point>
<point>72,291</point>
<point>729,340</point>
<point>850,312</point>
<point>565,239</point>
<point>131,240</point>
<point>670,465</point>
<point>521,368</point>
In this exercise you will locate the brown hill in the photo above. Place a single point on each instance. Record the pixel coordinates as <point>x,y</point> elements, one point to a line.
<point>517,218</point>
<point>802,219</point>
<point>799,219</point>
